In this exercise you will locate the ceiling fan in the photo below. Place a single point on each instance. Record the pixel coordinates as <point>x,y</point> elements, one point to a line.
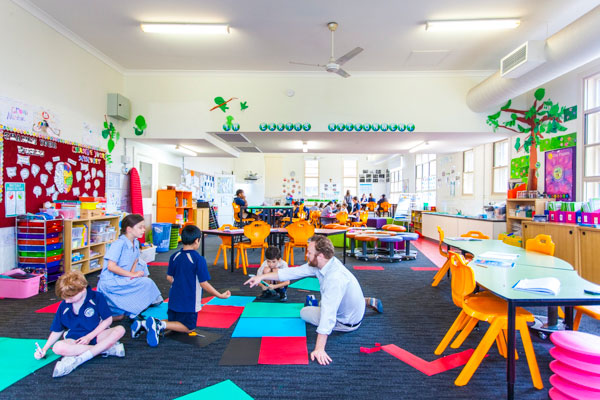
<point>334,64</point>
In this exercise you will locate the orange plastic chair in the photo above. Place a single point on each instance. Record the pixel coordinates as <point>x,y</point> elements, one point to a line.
<point>393,228</point>
<point>226,244</point>
<point>342,217</point>
<point>475,235</point>
<point>541,243</point>
<point>371,206</point>
<point>385,209</point>
<point>591,311</point>
<point>484,308</point>
<point>299,233</point>
<point>239,221</point>
<point>315,218</point>
<point>440,274</point>
<point>257,232</point>
<point>362,220</point>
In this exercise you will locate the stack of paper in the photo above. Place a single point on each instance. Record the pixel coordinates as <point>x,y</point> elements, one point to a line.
<point>495,259</point>
<point>541,285</point>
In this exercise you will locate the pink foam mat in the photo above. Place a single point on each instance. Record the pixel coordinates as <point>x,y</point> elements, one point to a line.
<point>583,378</point>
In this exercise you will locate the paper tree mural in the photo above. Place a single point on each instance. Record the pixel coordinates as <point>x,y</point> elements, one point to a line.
<point>112,135</point>
<point>542,117</point>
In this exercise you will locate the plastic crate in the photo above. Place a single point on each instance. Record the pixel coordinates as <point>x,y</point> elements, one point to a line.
<point>40,254</point>
<point>37,242</point>
<point>19,288</point>
<point>48,248</point>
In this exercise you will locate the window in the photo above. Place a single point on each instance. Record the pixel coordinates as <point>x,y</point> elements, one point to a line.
<point>468,173</point>
<point>350,174</point>
<point>500,168</point>
<point>426,177</point>
<point>395,185</point>
<point>311,178</point>
<point>591,155</point>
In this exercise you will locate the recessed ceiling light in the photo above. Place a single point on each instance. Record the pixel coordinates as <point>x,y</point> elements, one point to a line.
<point>472,25</point>
<point>186,29</point>
<point>186,151</point>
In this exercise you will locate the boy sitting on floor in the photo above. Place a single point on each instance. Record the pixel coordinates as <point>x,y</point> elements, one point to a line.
<point>188,275</point>
<point>86,318</point>
<point>273,262</point>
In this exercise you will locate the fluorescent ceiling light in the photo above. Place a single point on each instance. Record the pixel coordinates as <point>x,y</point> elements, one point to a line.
<point>472,25</point>
<point>186,151</point>
<point>186,29</point>
<point>419,147</point>
<point>305,147</point>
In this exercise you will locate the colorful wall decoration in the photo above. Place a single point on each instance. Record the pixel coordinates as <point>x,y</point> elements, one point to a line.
<point>560,174</point>
<point>290,127</point>
<point>519,168</point>
<point>51,169</point>
<point>371,127</point>
<point>558,142</point>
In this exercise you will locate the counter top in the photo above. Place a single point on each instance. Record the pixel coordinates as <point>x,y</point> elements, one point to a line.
<point>465,217</point>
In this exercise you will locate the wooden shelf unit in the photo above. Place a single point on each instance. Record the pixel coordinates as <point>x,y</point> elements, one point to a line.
<point>539,205</point>
<point>99,248</point>
<point>169,203</point>
<point>416,218</point>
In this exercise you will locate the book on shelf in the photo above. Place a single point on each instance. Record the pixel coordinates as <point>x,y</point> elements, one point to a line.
<point>550,285</point>
<point>496,259</point>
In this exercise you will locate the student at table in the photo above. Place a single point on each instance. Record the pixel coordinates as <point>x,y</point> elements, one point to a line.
<point>240,200</point>
<point>343,304</point>
<point>371,199</point>
<point>383,199</point>
<point>363,198</point>
<point>355,209</point>
<point>327,212</point>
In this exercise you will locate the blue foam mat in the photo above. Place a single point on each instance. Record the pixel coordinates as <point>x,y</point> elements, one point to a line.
<point>277,327</point>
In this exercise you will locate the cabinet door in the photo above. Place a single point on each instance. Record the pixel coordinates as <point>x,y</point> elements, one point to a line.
<point>589,254</point>
<point>563,236</point>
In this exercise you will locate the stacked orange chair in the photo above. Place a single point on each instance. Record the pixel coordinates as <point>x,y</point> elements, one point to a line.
<point>446,267</point>
<point>299,233</point>
<point>225,244</point>
<point>385,209</point>
<point>341,217</point>
<point>475,308</point>
<point>257,232</point>
<point>239,221</point>
<point>362,220</point>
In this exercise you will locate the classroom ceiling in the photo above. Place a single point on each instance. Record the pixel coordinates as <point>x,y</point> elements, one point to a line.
<point>266,34</point>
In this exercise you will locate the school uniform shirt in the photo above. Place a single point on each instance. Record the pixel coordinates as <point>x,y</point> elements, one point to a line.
<point>280,265</point>
<point>239,201</point>
<point>188,269</point>
<point>341,296</point>
<point>326,211</point>
<point>123,294</point>
<point>355,207</point>
<point>93,310</point>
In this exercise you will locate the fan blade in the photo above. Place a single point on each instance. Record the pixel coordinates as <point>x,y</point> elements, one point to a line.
<point>301,63</point>
<point>348,55</point>
<point>342,73</point>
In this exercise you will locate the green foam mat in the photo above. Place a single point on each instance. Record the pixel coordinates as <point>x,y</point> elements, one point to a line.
<point>17,361</point>
<point>272,310</point>
<point>307,284</point>
<point>223,390</point>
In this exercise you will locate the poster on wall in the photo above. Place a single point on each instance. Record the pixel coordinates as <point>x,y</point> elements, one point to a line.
<point>50,168</point>
<point>560,174</point>
<point>14,203</point>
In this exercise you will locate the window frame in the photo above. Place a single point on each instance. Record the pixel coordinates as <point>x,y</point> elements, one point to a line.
<point>586,145</point>
<point>345,175</point>
<point>466,173</point>
<point>505,167</point>
<point>311,176</point>
<point>430,194</point>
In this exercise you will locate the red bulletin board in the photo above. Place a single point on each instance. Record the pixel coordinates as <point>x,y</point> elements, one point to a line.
<point>52,169</point>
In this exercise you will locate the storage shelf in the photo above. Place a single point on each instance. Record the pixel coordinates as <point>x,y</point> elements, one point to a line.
<point>521,218</point>
<point>94,270</point>
<point>526,199</point>
<point>98,244</point>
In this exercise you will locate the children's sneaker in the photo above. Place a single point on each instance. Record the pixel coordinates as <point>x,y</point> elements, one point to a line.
<point>266,294</point>
<point>155,327</point>
<point>65,366</point>
<point>376,304</point>
<point>311,300</point>
<point>282,294</point>
<point>117,350</point>
<point>137,328</point>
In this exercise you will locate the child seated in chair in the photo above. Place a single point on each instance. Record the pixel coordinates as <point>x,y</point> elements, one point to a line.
<point>81,327</point>
<point>273,262</point>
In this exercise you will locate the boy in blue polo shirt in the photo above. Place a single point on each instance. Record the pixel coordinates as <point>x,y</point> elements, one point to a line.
<point>188,275</point>
<point>86,318</point>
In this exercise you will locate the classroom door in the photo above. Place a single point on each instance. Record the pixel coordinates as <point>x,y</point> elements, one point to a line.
<point>148,170</point>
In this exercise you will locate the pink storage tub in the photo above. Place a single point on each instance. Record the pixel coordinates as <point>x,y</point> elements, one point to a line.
<point>573,390</point>
<point>583,378</point>
<point>567,217</point>
<point>553,216</point>
<point>592,218</point>
<point>584,346</point>
<point>19,288</point>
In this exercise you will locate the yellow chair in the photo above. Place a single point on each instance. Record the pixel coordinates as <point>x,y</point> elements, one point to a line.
<point>225,244</point>
<point>385,209</point>
<point>440,274</point>
<point>342,217</point>
<point>488,308</point>
<point>541,243</point>
<point>299,233</point>
<point>371,206</point>
<point>362,220</point>
<point>239,221</point>
<point>475,235</point>
<point>257,232</point>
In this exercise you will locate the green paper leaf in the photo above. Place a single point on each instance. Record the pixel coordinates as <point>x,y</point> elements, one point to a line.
<point>508,103</point>
<point>523,129</point>
<point>514,116</point>
<point>539,94</point>
<point>138,132</point>
<point>532,111</point>
<point>105,133</point>
<point>554,110</point>
<point>517,144</point>
<point>561,128</point>
<point>118,136</point>
<point>111,145</point>
<point>495,116</point>
<point>140,122</point>
<point>106,124</point>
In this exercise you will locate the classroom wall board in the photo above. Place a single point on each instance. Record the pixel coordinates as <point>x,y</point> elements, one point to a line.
<point>51,169</point>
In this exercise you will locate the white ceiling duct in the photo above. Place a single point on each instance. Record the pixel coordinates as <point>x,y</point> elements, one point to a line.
<point>570,48</point>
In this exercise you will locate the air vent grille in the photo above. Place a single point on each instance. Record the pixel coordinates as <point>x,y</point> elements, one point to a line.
<point>232,137</point>
<point>249,149</point>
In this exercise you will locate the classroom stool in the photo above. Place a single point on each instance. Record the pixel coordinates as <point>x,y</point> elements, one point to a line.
<point>351,235</point>
<point>365,253</point>
<point>408,237</point>
<point>576,366</point>
<point>391,241</point>
<point>393,228</point>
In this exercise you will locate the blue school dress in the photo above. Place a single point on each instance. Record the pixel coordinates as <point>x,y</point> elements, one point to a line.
<point>123,294</point>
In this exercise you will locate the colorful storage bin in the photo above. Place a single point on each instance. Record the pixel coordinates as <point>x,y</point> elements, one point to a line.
<point>19,288</point>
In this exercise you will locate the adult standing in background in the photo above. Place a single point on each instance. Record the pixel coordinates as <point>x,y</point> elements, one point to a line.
<point>348,200</point>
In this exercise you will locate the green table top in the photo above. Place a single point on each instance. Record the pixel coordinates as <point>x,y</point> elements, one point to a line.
<point>529,265</point>
<point>270,207</point>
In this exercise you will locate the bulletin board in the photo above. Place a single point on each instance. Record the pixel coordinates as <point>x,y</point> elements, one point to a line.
<point>51,169</point>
